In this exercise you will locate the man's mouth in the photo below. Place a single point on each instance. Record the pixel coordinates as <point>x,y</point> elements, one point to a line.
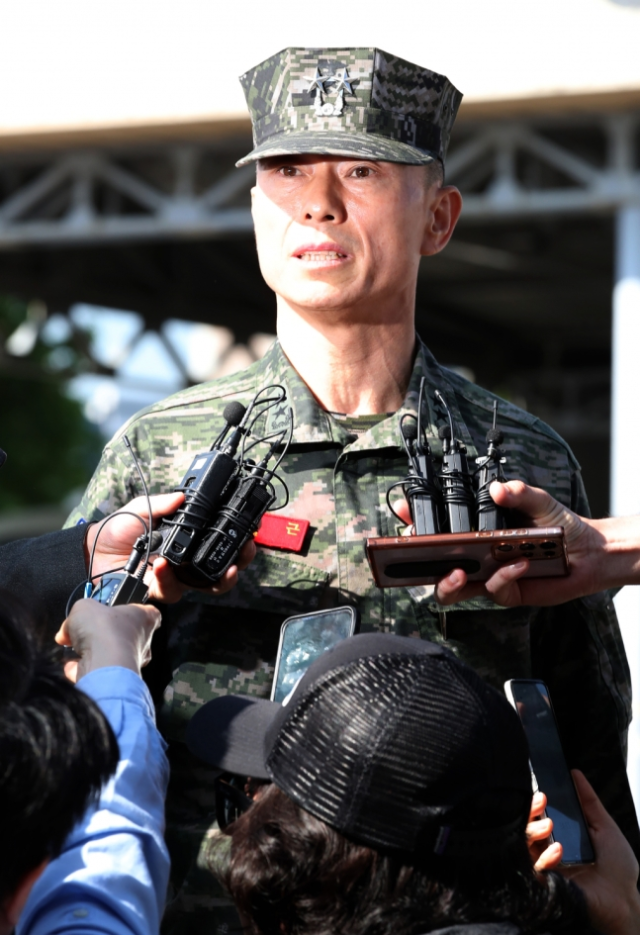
<point>320,253</point>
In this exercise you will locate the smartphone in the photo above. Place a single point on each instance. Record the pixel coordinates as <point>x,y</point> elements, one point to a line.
<point>549,770</point>
<point>404,561</point>
<point>305,637</point>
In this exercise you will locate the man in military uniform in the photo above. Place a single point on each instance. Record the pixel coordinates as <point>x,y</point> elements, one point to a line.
<point>349,146</point>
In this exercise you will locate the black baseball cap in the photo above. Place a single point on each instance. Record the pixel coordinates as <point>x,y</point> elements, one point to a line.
<point>390,740</point>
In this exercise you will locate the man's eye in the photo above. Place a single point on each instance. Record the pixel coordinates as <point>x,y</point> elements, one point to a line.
<point>362,172</point>
<point>288,171</point>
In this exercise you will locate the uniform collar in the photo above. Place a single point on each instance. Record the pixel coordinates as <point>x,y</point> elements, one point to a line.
<point>314,425</point>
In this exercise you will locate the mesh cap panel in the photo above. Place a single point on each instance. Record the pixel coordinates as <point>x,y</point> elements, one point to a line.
<point>385,747</point>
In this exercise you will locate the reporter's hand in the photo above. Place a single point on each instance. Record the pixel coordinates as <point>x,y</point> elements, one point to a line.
<point>609,885</point>
<point>108,636</point>
<point>505,587</point>
<point>116,537</point>
<point>545,854</point>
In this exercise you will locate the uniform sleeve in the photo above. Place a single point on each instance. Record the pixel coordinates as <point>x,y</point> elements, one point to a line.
<point>110,488</point>
<point>111,877</point>
<point>579,503</point>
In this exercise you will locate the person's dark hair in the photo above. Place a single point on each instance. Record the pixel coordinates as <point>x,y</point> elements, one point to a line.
<point>291,874</point>
<point>56,750</point>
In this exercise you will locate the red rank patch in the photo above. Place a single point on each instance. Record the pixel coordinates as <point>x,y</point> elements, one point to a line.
<point>282,532</point>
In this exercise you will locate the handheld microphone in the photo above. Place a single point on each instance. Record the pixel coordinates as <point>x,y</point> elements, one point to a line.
<point>203,486</point>
<point>489,468</point>
<point>455,478</point>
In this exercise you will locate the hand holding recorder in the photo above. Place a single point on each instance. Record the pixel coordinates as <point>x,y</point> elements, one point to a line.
<point>108,636</point>
<point>114,539</point>
<point>604,553</point>
<point>456,524</point>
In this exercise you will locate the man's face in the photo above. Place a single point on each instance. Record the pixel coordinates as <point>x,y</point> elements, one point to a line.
<point>338,232</point>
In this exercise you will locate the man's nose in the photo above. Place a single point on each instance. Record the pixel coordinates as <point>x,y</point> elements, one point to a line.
<point>323,200</point>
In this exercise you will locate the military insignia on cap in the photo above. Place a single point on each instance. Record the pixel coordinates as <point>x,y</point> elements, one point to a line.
<point>317,84</point>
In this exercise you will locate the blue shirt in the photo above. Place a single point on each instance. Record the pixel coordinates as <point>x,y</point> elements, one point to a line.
<point>111,877</point>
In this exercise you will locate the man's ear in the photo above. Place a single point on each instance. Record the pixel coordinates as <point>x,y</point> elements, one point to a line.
<point>12,907</point>
<point>443,213</point>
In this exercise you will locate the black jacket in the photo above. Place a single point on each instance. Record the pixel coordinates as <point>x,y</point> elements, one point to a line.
<point>43,572</point>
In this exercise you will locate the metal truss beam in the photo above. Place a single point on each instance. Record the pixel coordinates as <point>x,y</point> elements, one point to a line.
<point>504,170</point>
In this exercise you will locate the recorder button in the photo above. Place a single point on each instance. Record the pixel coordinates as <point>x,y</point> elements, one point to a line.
<point>505,548</point>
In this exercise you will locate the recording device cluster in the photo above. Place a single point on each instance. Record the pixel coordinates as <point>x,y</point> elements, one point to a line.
<point>227,490</point>
<point>456,523</point>
<point>455,498</point>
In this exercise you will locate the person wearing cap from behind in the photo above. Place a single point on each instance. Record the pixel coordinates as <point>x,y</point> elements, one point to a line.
<point>349,149</point>
<point>399,802</point>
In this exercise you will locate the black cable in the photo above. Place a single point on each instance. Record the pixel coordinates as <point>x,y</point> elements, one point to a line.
<point>142,570</point>
<point>90,575</point>
<point>439,396</point>
<point>401,483</point>
<point>104,522</point>
<point>420,403</point>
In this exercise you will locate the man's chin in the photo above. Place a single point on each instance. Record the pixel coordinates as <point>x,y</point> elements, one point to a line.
<point>319,304</point>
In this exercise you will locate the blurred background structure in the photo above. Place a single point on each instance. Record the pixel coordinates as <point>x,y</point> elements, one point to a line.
<point>126,251</point>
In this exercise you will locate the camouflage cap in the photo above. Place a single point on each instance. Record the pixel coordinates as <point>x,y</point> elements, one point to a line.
<point>358,102</point>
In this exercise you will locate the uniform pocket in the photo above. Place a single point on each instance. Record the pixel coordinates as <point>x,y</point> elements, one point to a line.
<point>275,584</point>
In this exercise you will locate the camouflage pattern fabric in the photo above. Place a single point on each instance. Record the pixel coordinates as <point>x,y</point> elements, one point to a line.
<point>362,102</point>
<point>338,480</point>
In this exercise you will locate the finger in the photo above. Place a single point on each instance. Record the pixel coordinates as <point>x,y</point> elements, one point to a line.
<point>550,857</point>
<point>71,670</point>
<point>403,510</point>
<point>539,830</point>
<point>540,507</point>
<point>228,581</point>
<point>536,503</point>
<point>538,805</point>
<point>501,587</point>
<point>153,616</point>
<point>162,504</point>
<point>62,637</point>
<point>162,582</point>
<point>594,811</point>
<point>247,554</point>
<point>453,588</point>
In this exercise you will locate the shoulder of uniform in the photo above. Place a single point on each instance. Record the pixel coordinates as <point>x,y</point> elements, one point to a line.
<point>236,385</point>
<point>483,400</point>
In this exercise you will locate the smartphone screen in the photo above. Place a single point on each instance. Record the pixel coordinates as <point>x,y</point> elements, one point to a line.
<point>303,639</point>
<point>551,774</point>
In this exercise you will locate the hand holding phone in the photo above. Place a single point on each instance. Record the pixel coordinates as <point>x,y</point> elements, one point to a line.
<point>549,770</point>
<point>405,561</point>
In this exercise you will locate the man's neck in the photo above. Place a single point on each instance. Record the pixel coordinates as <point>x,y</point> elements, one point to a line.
<point>357,368</point>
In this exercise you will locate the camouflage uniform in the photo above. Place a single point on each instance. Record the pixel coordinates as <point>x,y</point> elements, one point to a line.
<point>367,103</point>
<point>228,644</point>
